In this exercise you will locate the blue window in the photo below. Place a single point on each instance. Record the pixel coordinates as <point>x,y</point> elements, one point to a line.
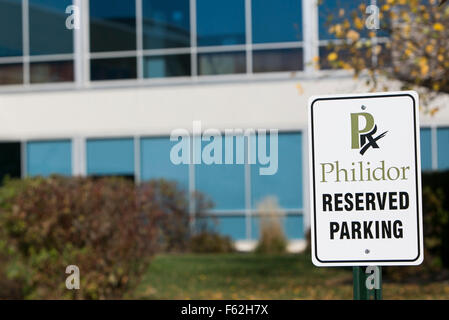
<point>49,157</point>
<point>10,160</point>
<point>426,149</point>
<point>277,60</point>
<point>112,25</point>
<point>155,161</point>
<point>166,24</point>
<point>233,226</point>
<point>11,73</point>
<point>175,65</point>
<point>54,71</point>
<point>220,22</point>
<point>329,14</point>
<point>286,183</point>
<point>48,31</point>
<point>113,69</point>
<point>221,63</point>
<point>110,157</point>
<point>276,21</point>
<point>293,226</point>
<point>443,148</point>
<point>10,28</point>
<point>223,183</point>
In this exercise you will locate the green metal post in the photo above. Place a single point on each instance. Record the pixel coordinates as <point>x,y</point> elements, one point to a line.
<point>361,292</point>
<point>378,292</point>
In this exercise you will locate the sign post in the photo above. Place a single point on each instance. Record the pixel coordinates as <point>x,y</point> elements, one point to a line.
<point>361,290</point>
<point>365,182</point>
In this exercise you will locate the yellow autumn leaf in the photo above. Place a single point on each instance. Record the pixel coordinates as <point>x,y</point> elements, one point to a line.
<point>408,52</point>
<point>429,48</point>
<point>358,23</point>
<point>353,35</point>
<point>438,27</point>
<point>433,111</point>
<point>338,30</point>
<point>346,66</point>
<point>440,57</point>
<point>424,66</point>
<point>424,70</point>
<point>422,60</point>
<point>332,56</point>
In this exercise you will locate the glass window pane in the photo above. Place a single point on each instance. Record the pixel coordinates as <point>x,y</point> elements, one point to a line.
<point>112,25</point>
<point>426,149</point>
<point>155,161</point>
<point>48,31</point>
<point>113,69</point>
<point>10,160</point>
<point>443,148</point>
<point>166,24</point>
<point>277,60</point>
<point>11,74</point>
<point>54,71</point>
<point>329,14</point>
<point>167,66</point>
<point>276,21</point>
<point>221,63</point>
<point>293,226</point>
<point>344,55</point>
<point>286,183</point>
<point>49,157</point>
<point>223,183</point>
<point>233,226</point>
<point>220,22</point>
<point>110,157</point>
<point>10,28</point>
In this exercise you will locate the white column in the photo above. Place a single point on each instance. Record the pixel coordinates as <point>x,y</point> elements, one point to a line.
<point>26,42</point>
<point>78,45</point>
<point>310,33</point>
<point>79,156</point>
<point>193,44</point>
<point>249,37</point>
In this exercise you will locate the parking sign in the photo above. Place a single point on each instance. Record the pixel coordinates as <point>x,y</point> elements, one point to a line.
<point>365,179</point>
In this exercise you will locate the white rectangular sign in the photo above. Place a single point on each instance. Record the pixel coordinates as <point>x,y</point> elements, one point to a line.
<point>365,179</point>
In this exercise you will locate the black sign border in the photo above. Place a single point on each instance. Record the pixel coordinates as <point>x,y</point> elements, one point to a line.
<point>416,173</point>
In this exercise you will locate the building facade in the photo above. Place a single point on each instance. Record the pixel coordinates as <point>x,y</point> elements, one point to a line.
<point>97,87</point>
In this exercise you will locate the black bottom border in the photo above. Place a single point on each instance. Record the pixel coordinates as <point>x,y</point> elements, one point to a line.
<point>172,309</point>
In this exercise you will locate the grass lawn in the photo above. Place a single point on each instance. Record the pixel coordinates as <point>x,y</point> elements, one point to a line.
<point>251,276</point>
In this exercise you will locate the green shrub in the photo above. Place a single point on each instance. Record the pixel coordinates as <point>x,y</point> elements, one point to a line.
<point>436,212</point>
<point>272,238</point>
<point>174,219</point>
<point>107,227</point>
<point>211,242</point>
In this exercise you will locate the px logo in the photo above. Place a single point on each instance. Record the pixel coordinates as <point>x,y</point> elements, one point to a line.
<point>363,138</point>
